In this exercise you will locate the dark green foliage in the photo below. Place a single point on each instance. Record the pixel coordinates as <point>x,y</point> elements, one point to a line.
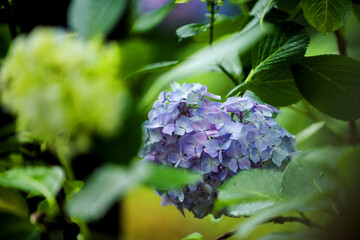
<point>14,228</point>
<point>92,18</point>
<point>326,15</point>
<point>191,30</point>
<point>150,20</point>
<point>280,49</point>
<point>276,87</point>
<point>331,83</point>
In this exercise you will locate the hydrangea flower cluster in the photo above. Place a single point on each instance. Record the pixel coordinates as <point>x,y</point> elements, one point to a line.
<point>185,129</point>
<point>63,89</point>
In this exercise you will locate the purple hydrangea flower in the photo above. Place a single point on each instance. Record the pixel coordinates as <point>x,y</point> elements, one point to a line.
<point>188,130</point>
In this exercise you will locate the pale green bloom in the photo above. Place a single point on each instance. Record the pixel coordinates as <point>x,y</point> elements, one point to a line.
<point>62,88</point>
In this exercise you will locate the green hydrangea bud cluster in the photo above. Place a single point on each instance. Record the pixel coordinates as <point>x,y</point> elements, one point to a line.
<point>64,88</point>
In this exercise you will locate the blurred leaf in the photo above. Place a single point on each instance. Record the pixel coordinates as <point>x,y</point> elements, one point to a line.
<point>149,20</point>
<point>9,144</point>
<point>91,17</point>
<point>356,8</point>
<point>261,8</point>
<point>44,206</point>
<point>326,15</point>
<point>310,174</point>
<point>278,209</point>
<point>159,66</point>
<point>13,202</point>
<point>309,131</point>
<point>45,181</point>
<point>164,178</point>
<point>72,187</point>
<point>281,48</point>
<point>191,30</point>
<point>108,183</point>
<point>15,228</point>
<point>275,87</point>
<point>194,236</point>
<point>105,186</point>
<point>331,83</point>
<point>206,59</point>
<point>223,25</point>
<point>182,1</point>
<point>349,167</point>
<point>248,209</point>
<point>232,67</point>
<point>306,234</point>
<point>250,186</point>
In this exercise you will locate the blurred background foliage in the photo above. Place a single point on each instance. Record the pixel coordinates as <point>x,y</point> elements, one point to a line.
<point>147,32</point>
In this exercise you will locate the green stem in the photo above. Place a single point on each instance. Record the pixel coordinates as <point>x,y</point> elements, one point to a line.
<point>342,44</point>
<point>232,78</point>
<point>330,128</point>
<point>211,6</point>
<point>278,220</point>
<point>248,78</point>
<point>294,13</point>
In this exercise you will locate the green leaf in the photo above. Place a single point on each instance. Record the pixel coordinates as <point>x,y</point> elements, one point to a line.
<point>109,183</point>
<point>248,209</point>
<point>154,67</point>
<point>13,202</point>
<point>275,87</point>
<point>356,8</point>
<point>311,173</point>
<point>326,15</point>
<point>206,59</point>
<point>309,131</point>
<point>194,236</point>
<point>15,228</point>
<point>280,49</point>
<point>164,178</point>
<point>261,8</point>
<point>278,209</point>
<point>43,181</point>
<point>349,167</point>
<point>250,186</point>
<point>105,186</point>
<point>223,25</point>
<point>191,30</point>
<point>331,83</point>
<point>72,187</point>
<point>182,1</point>
<point>92,17</point>
<point>308,234</point>
<point>149,20</point>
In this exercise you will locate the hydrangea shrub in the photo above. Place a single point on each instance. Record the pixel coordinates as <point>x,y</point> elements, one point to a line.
<point>185,129</point>
<point>68,88</point>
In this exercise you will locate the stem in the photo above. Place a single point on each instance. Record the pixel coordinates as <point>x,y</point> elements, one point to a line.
<point>342,44</point>
<point>295,13</point>
<point>233,79</point>
<point>353,132</point>
<point>277,220</point>
<point>330,128</point>
<point>12,25</point>
<point>212,20</point>
<point>248,78</point>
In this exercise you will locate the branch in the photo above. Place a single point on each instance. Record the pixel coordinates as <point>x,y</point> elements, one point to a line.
<point>212,20</point>
<point>233,79</point>
<point>277,220</point>
<point>342,44</point>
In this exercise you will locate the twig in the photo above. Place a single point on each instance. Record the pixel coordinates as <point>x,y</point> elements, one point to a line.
<point>233,79</point>
<point>212,21</point>
<point>277,220</point>
<point>342,44</point>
